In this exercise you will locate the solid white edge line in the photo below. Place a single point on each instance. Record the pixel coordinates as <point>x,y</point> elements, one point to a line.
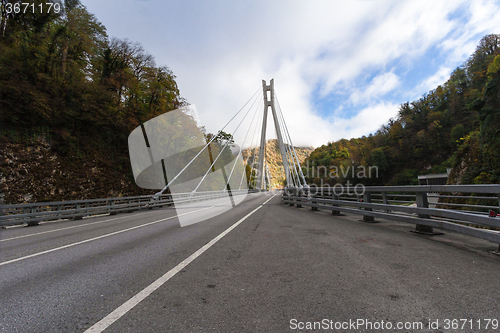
<point>96,238</point>
<point>140,296</point>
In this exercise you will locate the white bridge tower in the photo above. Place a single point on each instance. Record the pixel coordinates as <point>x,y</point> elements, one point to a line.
<point>268,92</point>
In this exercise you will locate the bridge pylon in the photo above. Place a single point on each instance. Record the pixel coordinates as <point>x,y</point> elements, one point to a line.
<point>268,92</point>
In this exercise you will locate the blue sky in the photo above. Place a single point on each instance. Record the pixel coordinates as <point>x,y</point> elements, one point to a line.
<point>341,68</point>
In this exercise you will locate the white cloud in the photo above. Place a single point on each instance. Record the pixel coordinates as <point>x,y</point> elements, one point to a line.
<point>483,18</point>
<point>221,50</point>
<point>404,30</point>
<point>367,121</point>
<point>432,82</point>
<point>377,88</point>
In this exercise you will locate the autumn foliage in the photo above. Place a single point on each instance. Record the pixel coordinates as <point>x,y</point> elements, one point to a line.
<point>456,125</point>
<point>64,80</point>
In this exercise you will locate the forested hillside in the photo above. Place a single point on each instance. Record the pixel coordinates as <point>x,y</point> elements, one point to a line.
<point>69,97</point>
<point>456,125</point>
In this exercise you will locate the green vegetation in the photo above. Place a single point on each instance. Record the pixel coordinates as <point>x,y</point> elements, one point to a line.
<point>70,96</point>
<point>60,74</point>
<point>456,125</point>
<point>62,79</point>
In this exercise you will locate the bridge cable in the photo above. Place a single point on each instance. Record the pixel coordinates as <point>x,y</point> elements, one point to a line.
<point>249,180</point>
<point>288,145</point>
<point>288,153</point>
<point>241,148</point>
<point>295,174</point>
<point>252,168</point>
<point>253,149</point>
<point>225,145</point>
<point>199,153</point>
<point>290,139</point>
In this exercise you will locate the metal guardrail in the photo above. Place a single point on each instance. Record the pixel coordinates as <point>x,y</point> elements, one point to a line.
<point>461,208</point>
<point>34,213</point>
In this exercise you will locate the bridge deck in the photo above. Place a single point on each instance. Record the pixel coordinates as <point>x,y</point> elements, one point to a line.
<point>281,263</point>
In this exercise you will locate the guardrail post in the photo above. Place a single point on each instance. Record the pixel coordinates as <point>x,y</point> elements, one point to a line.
<point>298,203</point>
<point>335,212</point>
<point>314,209</point>
<point>285,199</point>
<point>385,201</point>
<point>128,204</point>
<point>423,202</point>
<point>297,194</point>
<point>78,206</point>
<point>288,200</point>
<point>111,206</point>
<point>32,223</point>
<point>367,198</point>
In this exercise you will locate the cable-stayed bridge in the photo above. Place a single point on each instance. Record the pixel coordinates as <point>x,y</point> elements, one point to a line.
<point>173,153</point>
<point>397,259</point>
<point>173,149</point>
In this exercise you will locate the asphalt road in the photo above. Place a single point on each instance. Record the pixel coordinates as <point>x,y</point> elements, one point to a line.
<point>278,269</point>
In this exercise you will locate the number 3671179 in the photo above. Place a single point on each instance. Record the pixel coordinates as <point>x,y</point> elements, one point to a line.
<point>26,7</point>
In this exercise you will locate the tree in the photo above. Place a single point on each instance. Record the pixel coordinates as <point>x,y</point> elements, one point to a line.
<point>424,134</point>
<point>477,65</point>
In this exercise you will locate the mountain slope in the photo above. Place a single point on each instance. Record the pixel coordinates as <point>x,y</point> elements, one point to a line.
<point>456,125</point>
<point>69,98</point>
<point>274,160</point>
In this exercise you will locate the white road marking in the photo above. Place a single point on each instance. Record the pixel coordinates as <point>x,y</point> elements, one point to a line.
<point>131,303</point>
<point>66,228</point>
<point>95,238</point>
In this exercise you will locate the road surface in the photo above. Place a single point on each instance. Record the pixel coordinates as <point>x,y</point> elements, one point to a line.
<point>260,267</point>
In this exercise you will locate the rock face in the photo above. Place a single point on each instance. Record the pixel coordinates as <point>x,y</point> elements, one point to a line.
<point>32,172</point>
<point>274,161</point>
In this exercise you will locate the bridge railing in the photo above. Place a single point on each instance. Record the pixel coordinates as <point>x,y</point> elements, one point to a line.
<point>33,213</point>
<point>461,208</point>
